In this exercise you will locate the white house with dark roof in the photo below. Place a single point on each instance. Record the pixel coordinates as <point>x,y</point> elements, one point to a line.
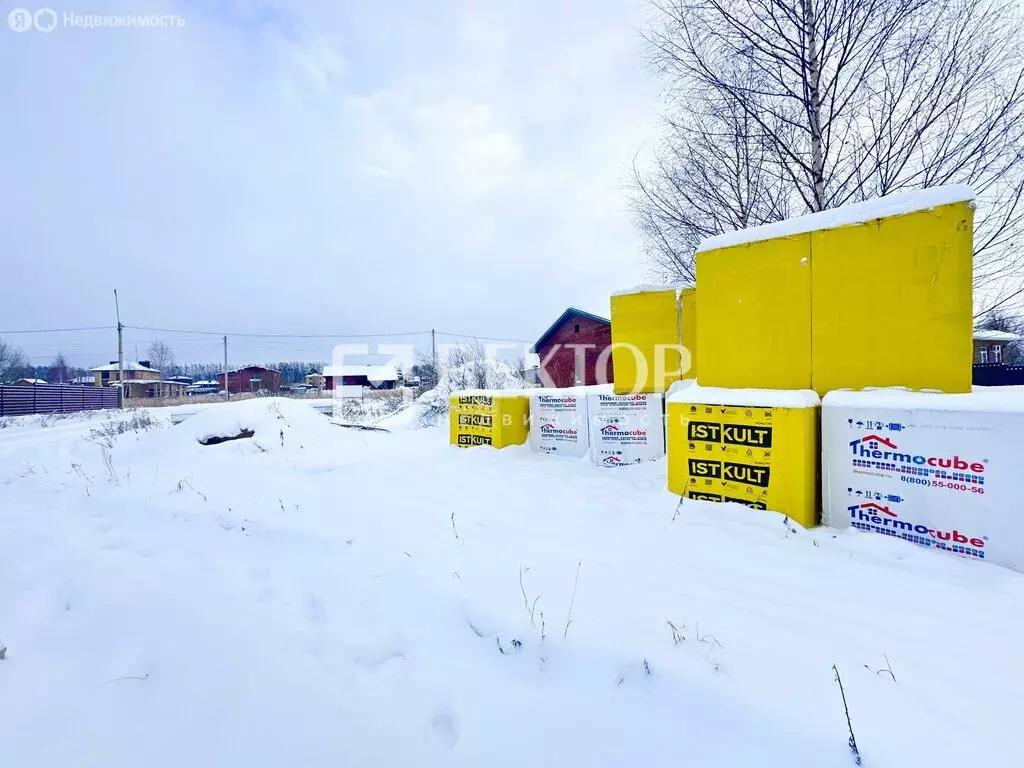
<point>140,380</point>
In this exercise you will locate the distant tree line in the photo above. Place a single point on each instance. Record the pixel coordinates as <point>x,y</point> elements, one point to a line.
<point>15,365</point>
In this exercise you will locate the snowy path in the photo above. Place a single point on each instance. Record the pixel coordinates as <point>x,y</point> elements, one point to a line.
<point>358,599</point>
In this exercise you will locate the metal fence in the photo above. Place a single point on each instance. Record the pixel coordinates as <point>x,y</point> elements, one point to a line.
<point>998,375</point>
<point>56,398</point>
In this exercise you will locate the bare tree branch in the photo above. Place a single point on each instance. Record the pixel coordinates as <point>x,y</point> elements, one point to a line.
<point>781,107</point>
<point>13,363</point>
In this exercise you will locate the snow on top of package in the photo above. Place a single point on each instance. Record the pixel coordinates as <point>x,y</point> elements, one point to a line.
<point>984,399</point>
<point>647,288</point>
<point>756,398</point>
<point>855,213</point>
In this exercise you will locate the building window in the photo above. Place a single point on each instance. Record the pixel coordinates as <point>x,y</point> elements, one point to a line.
<point>576,328</point>
<point>997,353</point>
<point>984,354</point>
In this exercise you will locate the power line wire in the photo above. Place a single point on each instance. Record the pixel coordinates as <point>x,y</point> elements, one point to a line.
<point>482,338</point>
<point>60,330</point>
<point>281,335</point>
<point>266,335</point>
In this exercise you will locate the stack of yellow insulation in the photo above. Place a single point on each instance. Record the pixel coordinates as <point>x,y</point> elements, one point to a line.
<point>498,418</point>
<point>646,339</point>
<point>874,294</point>
<point>754,447</point>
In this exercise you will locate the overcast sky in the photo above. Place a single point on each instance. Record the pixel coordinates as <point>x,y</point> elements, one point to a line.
<point>318,166</point>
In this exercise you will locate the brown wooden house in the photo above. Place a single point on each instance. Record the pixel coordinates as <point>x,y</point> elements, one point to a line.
<point>251,378</point>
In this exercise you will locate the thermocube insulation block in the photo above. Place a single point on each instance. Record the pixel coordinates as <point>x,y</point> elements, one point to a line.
<point>558,422</point>
<point>626,429</point>
<point>942,471</point>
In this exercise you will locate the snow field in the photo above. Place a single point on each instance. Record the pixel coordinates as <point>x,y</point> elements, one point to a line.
<point>362,598</point>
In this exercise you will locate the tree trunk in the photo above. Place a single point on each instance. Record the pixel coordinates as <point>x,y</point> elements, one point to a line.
<point>814,102</point>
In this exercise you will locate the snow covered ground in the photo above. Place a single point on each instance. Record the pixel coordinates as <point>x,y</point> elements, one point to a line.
<point>381,599</point>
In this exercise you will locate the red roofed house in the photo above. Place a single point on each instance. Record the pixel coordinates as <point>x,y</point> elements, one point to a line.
<point>251,378</point>
<point>575,350</point>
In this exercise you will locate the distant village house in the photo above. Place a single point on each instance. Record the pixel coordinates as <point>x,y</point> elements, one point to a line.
<point>251,378</point>
<point>373,371</point>
<point>560,365</point>
<point>140,380</point>
<point>993,346</point>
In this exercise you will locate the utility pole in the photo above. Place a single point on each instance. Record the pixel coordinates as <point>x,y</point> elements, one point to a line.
<point>120,351</point>
<point>227,389</point>
<point>433,357</point>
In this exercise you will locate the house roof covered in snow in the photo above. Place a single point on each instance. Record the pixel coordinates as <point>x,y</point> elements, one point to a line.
<point>151,382</point>
<point>128,366</point>
<point>982,334</point>
<point>251,368</point>
<point>371,372</point>
<point>373,367</point>
<point>895,204</point>
<point>30,381</point>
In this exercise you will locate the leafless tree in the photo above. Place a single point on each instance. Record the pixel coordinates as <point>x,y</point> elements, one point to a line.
<point>713,171</point>
<point>466,366</point>
<point>59,371</point>
<point>161,357</point>
<point>13,363</point>
<point>781,107</point>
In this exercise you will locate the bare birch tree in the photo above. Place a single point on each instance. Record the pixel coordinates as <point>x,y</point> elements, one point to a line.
<point>840,101</point>
<point>713,172</point>
<point>59,371</point>
<point>161,357</point>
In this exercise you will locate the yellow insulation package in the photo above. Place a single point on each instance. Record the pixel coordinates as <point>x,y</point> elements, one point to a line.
<point>645,339</point>
<point>753,447</point>
<point>754,314</point>
<point>872,294</point>
<point>498,418</point>
<point>891,301</point>
<point>688,319</point>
